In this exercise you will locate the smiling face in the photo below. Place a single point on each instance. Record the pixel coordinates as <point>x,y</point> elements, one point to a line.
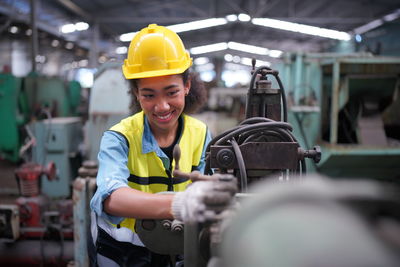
<point>162,99</point>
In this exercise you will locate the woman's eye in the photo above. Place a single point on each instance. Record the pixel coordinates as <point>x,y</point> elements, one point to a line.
<point>172,93</point>
<point>148,96</point>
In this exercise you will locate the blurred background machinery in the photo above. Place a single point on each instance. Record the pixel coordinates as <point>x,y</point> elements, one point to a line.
<point>342,95</point>
<point>40,147</point>
<point>348,105</point>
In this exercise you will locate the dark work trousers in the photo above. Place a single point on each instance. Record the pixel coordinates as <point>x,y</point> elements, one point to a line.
<point>126,254</point>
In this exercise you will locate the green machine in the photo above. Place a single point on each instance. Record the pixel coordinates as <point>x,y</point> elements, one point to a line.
<point>25,99</point>
<point>13,115</point>
<point>349,105</point>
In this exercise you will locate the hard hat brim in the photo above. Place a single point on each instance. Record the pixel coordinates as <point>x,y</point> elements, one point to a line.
<point>154,73</point>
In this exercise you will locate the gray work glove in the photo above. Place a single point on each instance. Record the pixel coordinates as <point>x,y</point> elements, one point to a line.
<point>204,200</point>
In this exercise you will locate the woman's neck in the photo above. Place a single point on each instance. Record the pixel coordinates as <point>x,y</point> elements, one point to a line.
<point>165,137</point>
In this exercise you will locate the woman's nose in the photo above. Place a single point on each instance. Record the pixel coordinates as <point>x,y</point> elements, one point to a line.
<point>162,105</point>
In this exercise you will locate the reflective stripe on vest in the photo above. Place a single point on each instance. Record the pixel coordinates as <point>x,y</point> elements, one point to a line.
<point>147,171</point>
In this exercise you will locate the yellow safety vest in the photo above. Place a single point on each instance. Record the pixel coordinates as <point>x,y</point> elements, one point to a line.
<point>148,172</point>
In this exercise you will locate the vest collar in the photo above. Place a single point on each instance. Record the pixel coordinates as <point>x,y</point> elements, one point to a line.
<point>149,142</point>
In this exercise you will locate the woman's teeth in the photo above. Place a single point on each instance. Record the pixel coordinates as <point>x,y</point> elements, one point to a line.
<point>165,116</point>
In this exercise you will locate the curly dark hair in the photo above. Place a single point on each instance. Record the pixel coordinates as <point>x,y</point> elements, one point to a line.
<point>194,101</point>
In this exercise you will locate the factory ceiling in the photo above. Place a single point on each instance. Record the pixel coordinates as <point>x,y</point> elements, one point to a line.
<point>113,18</point>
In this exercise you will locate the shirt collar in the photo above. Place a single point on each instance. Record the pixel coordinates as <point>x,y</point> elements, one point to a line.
<point>149,143</point>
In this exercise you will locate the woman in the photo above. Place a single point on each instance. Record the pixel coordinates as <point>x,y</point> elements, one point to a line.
<point>135,158</point>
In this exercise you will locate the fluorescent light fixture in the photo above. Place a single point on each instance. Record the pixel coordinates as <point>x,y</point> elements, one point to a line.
<point>369,26</point>
<point>121,50</point>
<point>81,26</point>
<point>306,29</point>
<point>275,53</point>
<point>68,28</point>
<point>392,16</point>
<point>232,17</point>
<point>198,24</point>
<point>127,37</point>
<point>248,61</point>
<point>205,67</point>
<point>377,22</point>
<point>208,48</point>
<point>244,17</point>
<point>235,46</point>
<point>201,60</point>
<point>248,48</point>
<point>183,27</point>
<point>245,61</point>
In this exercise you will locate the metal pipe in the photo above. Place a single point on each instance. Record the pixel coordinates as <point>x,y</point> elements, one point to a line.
<point>34,36</point>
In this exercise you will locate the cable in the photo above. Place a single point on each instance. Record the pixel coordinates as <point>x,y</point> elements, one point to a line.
<point>242,167</point>
<point>253,130</point>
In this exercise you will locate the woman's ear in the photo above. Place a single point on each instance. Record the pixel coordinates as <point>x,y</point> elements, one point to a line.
<point>188,84</point>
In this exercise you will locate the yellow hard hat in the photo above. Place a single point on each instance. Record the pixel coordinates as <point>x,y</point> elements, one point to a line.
<point>155,51</point>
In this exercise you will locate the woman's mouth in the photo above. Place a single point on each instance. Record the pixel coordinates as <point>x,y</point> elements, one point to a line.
<point>164,117</point>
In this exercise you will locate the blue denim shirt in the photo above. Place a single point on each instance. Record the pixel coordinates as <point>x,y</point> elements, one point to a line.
<point>113,172</point>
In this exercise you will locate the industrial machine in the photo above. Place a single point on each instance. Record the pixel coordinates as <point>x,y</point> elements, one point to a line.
<point>109,83</point>
<point>280,216</point>
<point>31,98</point>
<point>348,105</point>
<point>261,147</point>
<point>41,138</point>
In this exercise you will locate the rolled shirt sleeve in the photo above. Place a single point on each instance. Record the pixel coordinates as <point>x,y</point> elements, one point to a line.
<point>113,172</point>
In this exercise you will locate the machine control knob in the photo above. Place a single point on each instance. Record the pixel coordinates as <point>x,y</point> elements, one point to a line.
<point>314,153</point>
<point>225,158</point>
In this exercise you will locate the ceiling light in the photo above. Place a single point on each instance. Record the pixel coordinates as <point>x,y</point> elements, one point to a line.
<point>205,67</point>
<point>55,43</point>
<point>236,59</point>
<point>244,17</point>
<point>248,61</point>
<point>201,60</point>
<point>306,29</point>
<point>275,53</point>
<point>232,17</point>
<point>67,28</point>
<point>198,24</point>
<point>392,16</point>
<point>358,38</point>
<point>248,48</point>
<point>228,57</point>
<point>208,48</point>
<point>13,29</point>
<point>121,50</point>
<point>127,37</point>
<point>28,32</point>
<point>69,45</point>
<point>183,27</point>
<point>369,26</point>
<point>81,26</point>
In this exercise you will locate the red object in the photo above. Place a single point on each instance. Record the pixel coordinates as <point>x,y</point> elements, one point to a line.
<point>28,179</point>
<point>28,176</point>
